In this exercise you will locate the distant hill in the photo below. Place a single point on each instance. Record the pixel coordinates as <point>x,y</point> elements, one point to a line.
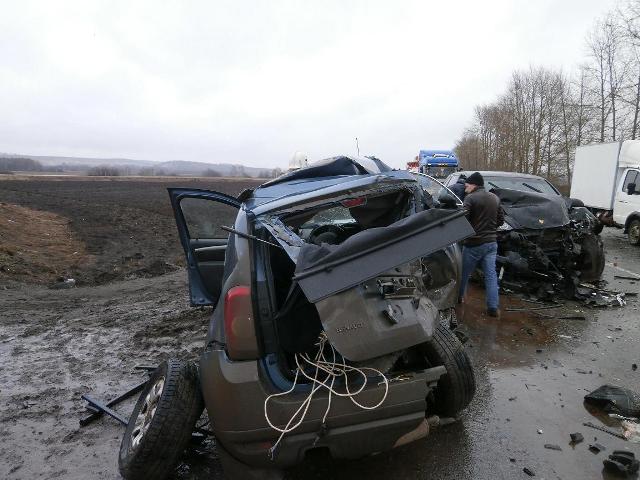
<point>174,167</point>
<point>47,160</point>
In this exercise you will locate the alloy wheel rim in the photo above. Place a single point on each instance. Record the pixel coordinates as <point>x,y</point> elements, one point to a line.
<point>634,233</point>
<point>148,410</point>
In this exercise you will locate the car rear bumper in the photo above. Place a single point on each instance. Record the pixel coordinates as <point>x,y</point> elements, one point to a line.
<point>235,392</point>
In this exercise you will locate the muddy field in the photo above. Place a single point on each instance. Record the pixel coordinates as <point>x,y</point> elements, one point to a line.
<point>533,368</point>
<point>125,226</point>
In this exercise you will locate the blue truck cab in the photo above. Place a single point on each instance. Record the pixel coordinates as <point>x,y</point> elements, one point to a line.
<point>438,163</point>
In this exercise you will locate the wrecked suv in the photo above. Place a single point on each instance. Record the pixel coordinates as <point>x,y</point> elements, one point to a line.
<point>331,293</point>
<point>548,244</point>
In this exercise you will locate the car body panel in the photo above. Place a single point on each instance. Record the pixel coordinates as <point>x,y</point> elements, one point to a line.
<point>235,392</point>
<point>524,210</point>
<point>198,251</point>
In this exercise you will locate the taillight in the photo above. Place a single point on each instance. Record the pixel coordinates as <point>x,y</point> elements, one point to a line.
<point>239,329</point>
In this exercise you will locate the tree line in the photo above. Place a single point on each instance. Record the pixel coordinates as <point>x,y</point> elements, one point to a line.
<point>25,164</point>
<point>544,114</point>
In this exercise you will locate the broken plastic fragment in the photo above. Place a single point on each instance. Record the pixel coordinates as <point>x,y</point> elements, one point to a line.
<point>576,437</point>
<point>551,446</point>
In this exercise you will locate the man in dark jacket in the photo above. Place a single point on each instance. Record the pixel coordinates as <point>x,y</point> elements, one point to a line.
<point>485,215</point>
<point>458,187</point>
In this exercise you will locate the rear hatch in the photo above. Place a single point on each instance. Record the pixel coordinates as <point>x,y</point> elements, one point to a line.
<point>364,286</point>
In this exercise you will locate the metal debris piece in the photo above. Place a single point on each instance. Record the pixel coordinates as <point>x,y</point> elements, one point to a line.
<point>103,408</point>
<point>605,430</point>
<point>529,472</point>
<point>97,407</point>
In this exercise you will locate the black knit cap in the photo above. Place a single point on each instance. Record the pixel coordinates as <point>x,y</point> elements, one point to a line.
<point>475,179</point>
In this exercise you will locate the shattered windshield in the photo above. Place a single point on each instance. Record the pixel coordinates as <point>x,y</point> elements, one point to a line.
<point>434,188</point>
<point>537,185</point>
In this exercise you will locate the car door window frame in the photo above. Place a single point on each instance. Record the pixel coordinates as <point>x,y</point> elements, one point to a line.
<point>199,293</point>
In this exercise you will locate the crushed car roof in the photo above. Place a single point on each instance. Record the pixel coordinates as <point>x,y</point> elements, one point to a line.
<point>333,174</point>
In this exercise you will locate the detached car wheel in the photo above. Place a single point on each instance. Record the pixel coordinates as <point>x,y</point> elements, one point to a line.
<point>161,423</point>
<point>591,259</point>
<point>634,232</point>
<point>457,387</point>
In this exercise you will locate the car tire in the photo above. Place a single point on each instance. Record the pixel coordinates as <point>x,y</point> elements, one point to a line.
<point>633,232</point>
<point>162,422</point>
<point>591,258</point>
<point>457,387</point>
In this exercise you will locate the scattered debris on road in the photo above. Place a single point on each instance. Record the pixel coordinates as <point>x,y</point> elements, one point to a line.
<point>597,448</point>
<point>622,462</point>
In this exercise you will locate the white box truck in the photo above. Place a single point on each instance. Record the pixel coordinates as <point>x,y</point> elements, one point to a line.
<point>606,178</point>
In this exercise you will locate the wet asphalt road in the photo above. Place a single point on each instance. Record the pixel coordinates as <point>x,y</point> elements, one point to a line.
<point>532,374</point>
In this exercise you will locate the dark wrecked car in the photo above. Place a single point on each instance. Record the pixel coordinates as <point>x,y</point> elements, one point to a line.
<point>328,331</point>
<point>549,243</point>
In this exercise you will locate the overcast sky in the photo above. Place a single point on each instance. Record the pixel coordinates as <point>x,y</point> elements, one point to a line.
<point>252,82</point>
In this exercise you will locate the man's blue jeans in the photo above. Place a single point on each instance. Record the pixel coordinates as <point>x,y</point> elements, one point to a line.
<point>485,255</point>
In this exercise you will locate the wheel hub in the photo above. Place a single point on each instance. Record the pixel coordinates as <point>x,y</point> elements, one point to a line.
<point>634,232</point>
<point>148,410</point>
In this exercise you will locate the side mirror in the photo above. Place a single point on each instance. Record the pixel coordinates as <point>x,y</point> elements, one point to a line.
<point>631,188</point>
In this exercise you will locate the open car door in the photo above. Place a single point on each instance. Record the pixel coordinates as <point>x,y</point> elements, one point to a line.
<point>199,215</point>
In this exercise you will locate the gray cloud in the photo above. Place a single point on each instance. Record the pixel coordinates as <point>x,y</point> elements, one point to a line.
<point>252,82</point>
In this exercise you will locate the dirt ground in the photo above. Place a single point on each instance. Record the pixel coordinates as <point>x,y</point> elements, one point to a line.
<point>533,369</point>
<point>125,223</point>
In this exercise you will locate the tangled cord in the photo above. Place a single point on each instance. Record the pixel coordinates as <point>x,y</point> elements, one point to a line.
<point>333,369</point>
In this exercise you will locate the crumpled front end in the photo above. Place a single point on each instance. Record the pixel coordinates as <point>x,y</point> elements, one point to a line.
<point>546,247</point>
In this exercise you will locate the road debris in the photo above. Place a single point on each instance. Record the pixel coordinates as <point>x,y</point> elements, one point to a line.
<point>576,438</point>
<point>551,446</point>
<point>626,277</point>
<point>613,399</point>
<point>598,297</point>
<point>529,472</point>
<point>604,429</point>
<point>622,462</point>
<point>597,448</point>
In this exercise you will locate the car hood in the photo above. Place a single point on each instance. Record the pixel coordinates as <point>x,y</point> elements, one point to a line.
<point>535,211</point>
